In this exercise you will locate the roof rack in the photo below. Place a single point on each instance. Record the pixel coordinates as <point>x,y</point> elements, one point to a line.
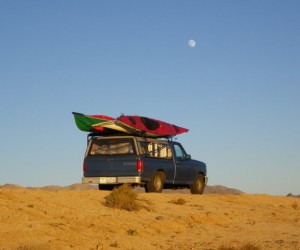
<point>134,133</point>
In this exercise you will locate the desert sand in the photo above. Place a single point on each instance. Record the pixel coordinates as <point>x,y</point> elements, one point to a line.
<point>78,219</point>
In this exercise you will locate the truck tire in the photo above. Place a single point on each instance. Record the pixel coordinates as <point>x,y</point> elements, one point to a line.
<point>156,184</point>
<point>198,185</point>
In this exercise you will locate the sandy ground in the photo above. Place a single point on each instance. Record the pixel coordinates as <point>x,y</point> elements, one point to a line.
<point>41,219</point>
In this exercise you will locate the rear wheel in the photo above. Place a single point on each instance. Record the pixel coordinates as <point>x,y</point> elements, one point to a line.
<point>156,184</point>
<point>198,185</point>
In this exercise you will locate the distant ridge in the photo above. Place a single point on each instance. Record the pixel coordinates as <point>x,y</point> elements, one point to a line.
<point>218,189</point>
<point>52,187</point>
<point>291,195</point>
<point>77,186</point>
<point>10,186</point>
<point>221,190</point>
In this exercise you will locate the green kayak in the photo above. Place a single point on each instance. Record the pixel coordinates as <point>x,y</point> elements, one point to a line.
<point>86,122</point>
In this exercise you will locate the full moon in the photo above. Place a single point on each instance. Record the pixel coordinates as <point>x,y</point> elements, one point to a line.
<point>192,43</point>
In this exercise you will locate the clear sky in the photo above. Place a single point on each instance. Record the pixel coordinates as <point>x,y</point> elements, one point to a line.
<point>238,90</point>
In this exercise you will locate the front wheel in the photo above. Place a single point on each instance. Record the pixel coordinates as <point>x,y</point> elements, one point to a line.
<point>156,184</point>
<point>198,185</point>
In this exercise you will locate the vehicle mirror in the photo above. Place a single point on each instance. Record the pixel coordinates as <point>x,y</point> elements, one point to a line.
<point>188,157</point>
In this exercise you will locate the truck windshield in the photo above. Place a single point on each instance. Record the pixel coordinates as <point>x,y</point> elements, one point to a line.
<point>112,147</point>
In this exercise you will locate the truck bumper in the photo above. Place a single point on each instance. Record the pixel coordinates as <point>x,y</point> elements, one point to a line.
<point>111,180</point>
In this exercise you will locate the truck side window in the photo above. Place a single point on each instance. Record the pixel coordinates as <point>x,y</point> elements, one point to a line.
<point>156,150</point>
<point>179,152</point>
<point>144,147</point>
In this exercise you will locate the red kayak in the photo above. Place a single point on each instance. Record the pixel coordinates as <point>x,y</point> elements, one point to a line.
<point>149,126</point>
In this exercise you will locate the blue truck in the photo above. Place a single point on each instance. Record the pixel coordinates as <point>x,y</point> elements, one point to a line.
<point>153,163</point>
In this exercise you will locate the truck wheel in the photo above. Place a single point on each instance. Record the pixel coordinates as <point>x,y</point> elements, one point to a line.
<point>156,184</point>
<point>198,185</point>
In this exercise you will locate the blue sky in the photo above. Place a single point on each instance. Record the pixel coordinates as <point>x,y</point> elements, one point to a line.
<point>238,90</point>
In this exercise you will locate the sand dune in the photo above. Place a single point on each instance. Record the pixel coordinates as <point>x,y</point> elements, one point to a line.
<point>78,219</point>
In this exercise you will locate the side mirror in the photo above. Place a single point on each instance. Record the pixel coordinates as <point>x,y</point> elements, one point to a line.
<point>188,157</point>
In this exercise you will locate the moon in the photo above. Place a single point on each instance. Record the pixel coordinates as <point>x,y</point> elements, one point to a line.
<point>192,43</point>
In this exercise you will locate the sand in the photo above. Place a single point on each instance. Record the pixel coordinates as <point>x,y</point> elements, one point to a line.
<point>77,219</point>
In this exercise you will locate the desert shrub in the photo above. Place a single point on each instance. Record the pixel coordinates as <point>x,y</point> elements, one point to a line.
<point>132,232</point>
<point>226,248</point>
<point>115,244</point>
<point>159,217</point>
<point>179,201</point>
<point>124,198</point>
<point>247,246</point>
<point>294,205</point>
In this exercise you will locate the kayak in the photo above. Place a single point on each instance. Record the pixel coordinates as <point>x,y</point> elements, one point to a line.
<point>110,125</point>
<point>86,122</point>
<point>149,126</point>
<point>130,125</point>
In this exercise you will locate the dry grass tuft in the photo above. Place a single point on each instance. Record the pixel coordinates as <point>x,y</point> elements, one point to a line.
<point>124,198</point>
<point>179,201</point>
<point>132,232</point>
<point>147,205</point>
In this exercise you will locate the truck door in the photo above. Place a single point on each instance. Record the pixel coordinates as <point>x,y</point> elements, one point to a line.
<point>185,172</point>
<point>157,156</point>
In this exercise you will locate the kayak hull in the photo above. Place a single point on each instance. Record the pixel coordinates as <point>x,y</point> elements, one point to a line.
<point>149,126</point>
<point>110,125</point>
